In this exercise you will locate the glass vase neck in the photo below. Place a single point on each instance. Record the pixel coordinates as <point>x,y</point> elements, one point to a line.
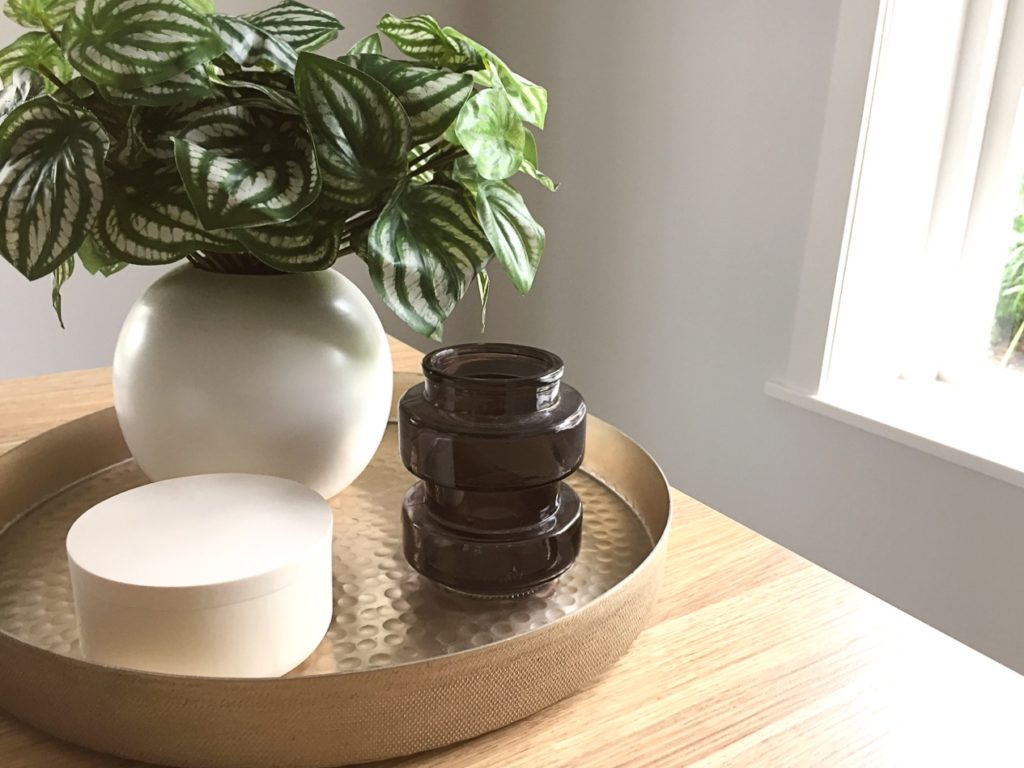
<point>492,379</point>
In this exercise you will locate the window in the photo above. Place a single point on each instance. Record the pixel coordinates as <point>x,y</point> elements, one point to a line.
<point>911,317</point>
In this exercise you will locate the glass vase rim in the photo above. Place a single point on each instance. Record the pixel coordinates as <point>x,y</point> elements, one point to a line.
<point>549,367</point>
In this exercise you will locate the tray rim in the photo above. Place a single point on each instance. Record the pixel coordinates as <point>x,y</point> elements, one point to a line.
<point>102,419</point>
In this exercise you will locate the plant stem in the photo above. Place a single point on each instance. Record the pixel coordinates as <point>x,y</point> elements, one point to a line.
<point>53,35</point>
<point>363,219</point>
<point>427,153</point>
<point>443,159</point>
<point>1013,345</point>
<point>51,77</point>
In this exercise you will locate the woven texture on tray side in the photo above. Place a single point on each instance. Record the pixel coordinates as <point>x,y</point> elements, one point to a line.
<point>318,721</point>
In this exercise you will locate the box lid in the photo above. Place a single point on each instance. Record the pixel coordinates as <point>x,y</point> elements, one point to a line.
<point>201,541</point>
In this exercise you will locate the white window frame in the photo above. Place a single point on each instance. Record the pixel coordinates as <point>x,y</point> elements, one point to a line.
<point>894,299</point>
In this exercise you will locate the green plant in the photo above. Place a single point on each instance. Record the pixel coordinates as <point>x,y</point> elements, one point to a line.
<point>147,131</point>
<point>1009,317</point>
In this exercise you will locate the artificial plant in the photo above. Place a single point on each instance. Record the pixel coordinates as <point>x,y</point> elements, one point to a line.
<point>148,131</point>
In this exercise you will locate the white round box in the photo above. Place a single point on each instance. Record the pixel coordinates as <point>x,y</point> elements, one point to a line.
<point>225,575</point>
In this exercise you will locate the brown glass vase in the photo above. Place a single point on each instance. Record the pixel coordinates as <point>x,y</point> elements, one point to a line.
<point>492,433</point>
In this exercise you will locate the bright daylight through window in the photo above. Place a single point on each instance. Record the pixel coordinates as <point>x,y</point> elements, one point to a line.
<point>921,284</point>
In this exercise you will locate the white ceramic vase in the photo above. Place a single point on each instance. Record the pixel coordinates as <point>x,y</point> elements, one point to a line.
<point>286,375</point>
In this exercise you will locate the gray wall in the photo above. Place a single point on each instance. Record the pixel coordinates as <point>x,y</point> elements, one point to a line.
<point>686,137</point>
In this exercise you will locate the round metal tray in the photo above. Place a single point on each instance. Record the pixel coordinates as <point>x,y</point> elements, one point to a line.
<point>405,666</point>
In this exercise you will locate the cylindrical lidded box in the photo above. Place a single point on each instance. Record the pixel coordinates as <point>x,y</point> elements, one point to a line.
<point>225,575</point>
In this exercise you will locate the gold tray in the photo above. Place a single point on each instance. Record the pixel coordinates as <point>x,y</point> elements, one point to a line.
<point>405,666</point>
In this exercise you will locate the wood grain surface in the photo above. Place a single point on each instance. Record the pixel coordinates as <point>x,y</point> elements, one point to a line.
<point>755,657</point>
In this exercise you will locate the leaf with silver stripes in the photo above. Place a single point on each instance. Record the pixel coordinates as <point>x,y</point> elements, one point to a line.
<point>38,14</point>
<point>130,44</point>
<point>302,27</point>
<point>490,130</point>
<point>51,187</point>
<point>251,46</point>
<point>156,127</point>
<point>359,127</point>
<point>306,243</point>
<point>368,44</point>
<point>36,51</point>
<point>423,252</point>
<point>60,276</point>
<point>483,284</point>
<point>275,87</point>
<point>431,97</point>
<point>530,164</point>
<point>515,236</point>
<point>529,100</point>
<point>187,87</point>
<point>238,173</point>
<point>421,37</point>
<point>151,221</point>
<point>22,85</point>
<point>205,7</point>
<point>97,261</point>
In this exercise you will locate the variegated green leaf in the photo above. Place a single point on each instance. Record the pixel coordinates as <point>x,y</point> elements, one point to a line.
<point>517,239</point>
<point>97,261</point>
<point>483,284</point>
<point>237,171</point>
<point>250,46</point>
<point>38,14</point>
<point>60,276</point>
<point>421,37</point>
<point>463,171</point>
<point>423,252</point>
<point>151,221</point>
<point>205,7</point>
<point>431,97</point>
<point>130,44</point>
<point>157,126</point>
<point>530,162</point>
<point>21,85</point>
<point>449,135</point>
<point>128,149</point>
<point>368,44</point>
<point>529,100</point>
<point>275,87</point>
<point>306,243</point>
<point>490,130</point>
<point>302,27</point>
<point>51,186</point>
<point>359,127</point>
<point>37,51</point>
<point>188,87</point>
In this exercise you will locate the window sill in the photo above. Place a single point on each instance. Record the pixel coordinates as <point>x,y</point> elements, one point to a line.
<point>980,432</point>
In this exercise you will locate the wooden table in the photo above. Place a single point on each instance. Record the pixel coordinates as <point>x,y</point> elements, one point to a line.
<point>755,657</point>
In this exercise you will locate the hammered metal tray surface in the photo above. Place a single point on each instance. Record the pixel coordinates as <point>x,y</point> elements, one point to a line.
<point>405,666</point>
<point>384,613</point>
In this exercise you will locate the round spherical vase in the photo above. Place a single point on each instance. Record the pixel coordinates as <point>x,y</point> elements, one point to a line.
<point>279,374</point>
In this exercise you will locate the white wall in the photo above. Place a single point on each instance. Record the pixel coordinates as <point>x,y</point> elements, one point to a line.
<point>686,137</point>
